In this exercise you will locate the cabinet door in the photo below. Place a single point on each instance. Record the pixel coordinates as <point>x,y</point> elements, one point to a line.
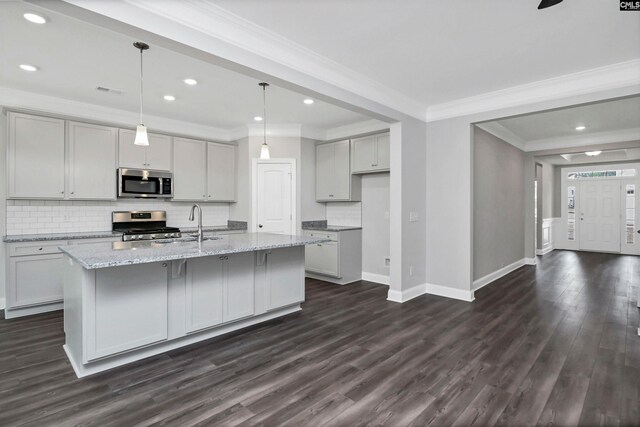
<point>156,156</point>
<point>92,159</point>
<point>159,152</point>
<point>189,169</point>
<point>221,172</point>
<point>341,171</point>
<point>384,152</point>
<point>239,286</point>
<point>34,280</point>
<point>285,277</point>
<point>36,157</point>
<point>324,171</point>
<point>130,155</point>
<point>204,292</point>
<point>127,309</point>
<point>322,258</point>
<point>363,154</point>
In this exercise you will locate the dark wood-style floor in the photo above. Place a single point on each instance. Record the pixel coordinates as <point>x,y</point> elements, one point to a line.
<point>553,345</point>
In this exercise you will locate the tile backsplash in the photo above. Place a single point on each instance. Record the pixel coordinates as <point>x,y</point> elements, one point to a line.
<point>40,216</point>
<point>344,213</point>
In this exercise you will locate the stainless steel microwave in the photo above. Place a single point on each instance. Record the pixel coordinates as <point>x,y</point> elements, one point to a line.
<point>144,183</point>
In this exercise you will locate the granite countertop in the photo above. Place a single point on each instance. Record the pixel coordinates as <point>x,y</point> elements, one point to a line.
<point>331,227</point>
<point>114,254</point>
<point>232,226</point>
<point>60,236</point>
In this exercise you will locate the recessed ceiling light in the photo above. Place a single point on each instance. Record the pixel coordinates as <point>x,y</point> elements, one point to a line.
<point>36,19</point>
<point>169,98</point>
<point>581,127</point>
<point>308,101</point>
<point>27,67</point>
<point>191,82</point>
<point>592,153</point>
<point>257,118</point>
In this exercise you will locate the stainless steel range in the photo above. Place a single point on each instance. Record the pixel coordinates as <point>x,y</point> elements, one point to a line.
<point>143,225</point>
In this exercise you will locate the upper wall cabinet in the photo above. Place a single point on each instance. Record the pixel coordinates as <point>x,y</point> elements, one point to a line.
<point>91,160</point>
<point>221,172</point>
<point>334,182</point>
<point>370,154</point>
<point>36,157</point>
<point>156,156</point>
<point>189,169</point>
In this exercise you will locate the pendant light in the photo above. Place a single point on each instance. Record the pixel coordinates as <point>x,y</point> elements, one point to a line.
<point>548,3</point>
<point>264,149</point>
<point>141,130</point>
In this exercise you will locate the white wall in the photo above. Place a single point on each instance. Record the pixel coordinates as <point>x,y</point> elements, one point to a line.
<point>375,223</point>
<point>344,213</point>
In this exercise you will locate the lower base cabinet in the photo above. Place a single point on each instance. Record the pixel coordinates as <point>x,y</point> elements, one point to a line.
<point>285,277</point>
<point>35,280</point>
<point>218,290</point>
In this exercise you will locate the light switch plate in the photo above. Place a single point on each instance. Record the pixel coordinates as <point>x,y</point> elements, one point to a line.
<point>413,216</point>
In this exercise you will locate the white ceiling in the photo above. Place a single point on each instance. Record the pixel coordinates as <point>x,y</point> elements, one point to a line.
<point>439,51</point>
<point>607,156</point>
<point>75,57</point>
<point>610,116</point>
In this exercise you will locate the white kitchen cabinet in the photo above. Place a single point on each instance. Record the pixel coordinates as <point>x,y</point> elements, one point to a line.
<point>370,154</point>
<point>156,156</point>
<point>189,169</point>
<point>36,157</point>
<point>219,289</point>
<point>339,260</point>
<point>92,161</point>
<point>334,181</point>
<point>221,172</point>
<point>284,277</point>
<point>34,278</point>
<point>127,309</point>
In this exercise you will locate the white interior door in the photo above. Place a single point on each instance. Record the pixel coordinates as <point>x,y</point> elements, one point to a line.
<point>599,207</point>
<point>274,204</point>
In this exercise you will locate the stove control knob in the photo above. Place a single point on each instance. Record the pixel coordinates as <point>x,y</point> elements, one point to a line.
<point>166,235</point>
<point>140,236</point>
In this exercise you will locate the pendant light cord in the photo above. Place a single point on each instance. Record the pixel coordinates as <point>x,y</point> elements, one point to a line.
<point>264,111</point>
<point>141,87</point>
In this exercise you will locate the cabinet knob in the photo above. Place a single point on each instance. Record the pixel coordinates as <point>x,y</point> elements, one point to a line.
<point>62,192</point>
<point>164,264</point>
<point>40,249</point>
<point>73,192</point>
<point>209,195</point>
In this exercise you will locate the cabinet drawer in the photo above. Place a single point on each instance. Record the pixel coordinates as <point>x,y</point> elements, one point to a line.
<point>323,234</point>
<point>36,248</point>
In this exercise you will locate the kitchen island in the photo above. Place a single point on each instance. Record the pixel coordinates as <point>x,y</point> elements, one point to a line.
<point>125,301</point>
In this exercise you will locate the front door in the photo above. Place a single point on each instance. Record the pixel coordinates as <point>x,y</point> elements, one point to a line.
<point>274,198</point>
<point>600,215</point>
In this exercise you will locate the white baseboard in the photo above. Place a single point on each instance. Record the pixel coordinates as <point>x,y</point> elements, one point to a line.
<point>530,261</point>
<point>446,291</point>
<point>428,288</point>
<point>2,303</point>
<point>376,278</point>
<point>491,277</point>
<point>545,250</point>
<point>407,294</point>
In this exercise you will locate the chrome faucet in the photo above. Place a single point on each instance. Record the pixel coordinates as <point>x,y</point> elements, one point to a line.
<point>191,218</point>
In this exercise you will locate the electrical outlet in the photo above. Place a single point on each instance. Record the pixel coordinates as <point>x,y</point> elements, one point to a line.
<point>413,216</point>
<point>387,262</point>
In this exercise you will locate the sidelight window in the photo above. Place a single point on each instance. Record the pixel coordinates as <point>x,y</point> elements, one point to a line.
<point>630,219</point>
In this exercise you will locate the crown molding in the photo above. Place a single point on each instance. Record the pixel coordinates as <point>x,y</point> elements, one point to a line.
<point>66,108</point>
<point>499,131</point>
<point>355,129</point>
<point>615,76</point>
<point>600,138</point>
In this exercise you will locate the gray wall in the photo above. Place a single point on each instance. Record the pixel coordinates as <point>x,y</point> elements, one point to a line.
<point>498,204</point>
<point>3,202</point>
<point>557,192</point>
<point>375,223</point>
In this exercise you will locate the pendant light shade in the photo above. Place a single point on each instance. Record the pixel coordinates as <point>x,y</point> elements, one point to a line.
<point>264,148</point>
<point>141,130</point>
<point>548,3</point>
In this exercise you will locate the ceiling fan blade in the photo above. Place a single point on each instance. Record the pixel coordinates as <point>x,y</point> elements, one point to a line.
<point>548,3</point>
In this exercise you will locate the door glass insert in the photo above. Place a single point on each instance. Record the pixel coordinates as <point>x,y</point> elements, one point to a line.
<point>630,219</point>
<point>571,213</point>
